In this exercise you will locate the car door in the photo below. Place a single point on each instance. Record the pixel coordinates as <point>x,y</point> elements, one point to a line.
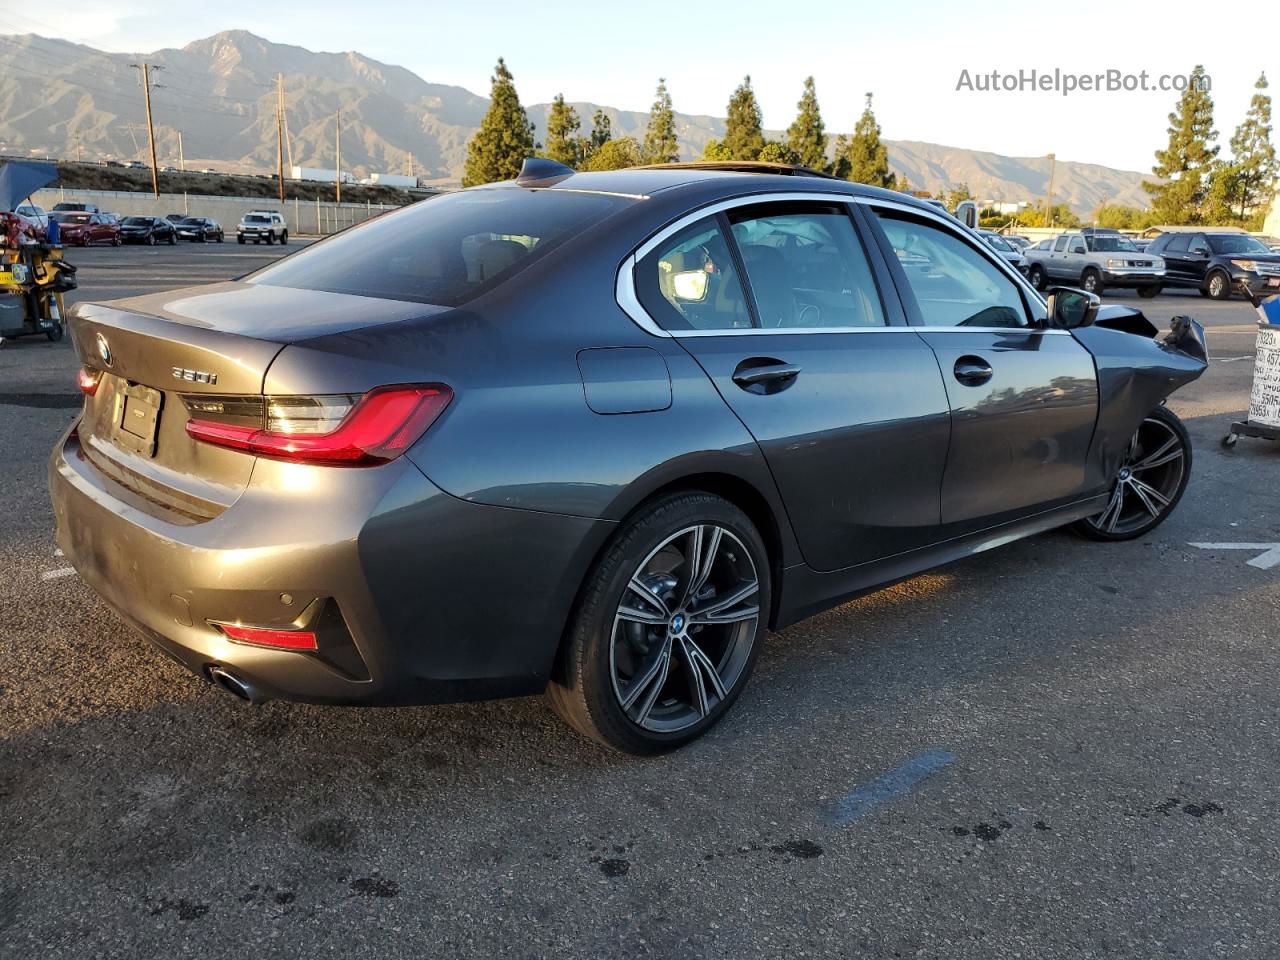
<point>1176,266</point>
<point>1197,262</point>
<point>1077,258</point>
<point>1058,258</point>
<point>1023,398</point>
<point>783,307</point>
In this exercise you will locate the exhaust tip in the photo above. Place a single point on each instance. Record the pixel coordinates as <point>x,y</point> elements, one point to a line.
<point>237,687</point>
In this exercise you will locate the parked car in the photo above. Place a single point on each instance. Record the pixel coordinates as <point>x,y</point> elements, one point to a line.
<point>200,230</point>
<point>1002,246</point>
<point>1094,259</point>
<point>262,225</point>
<point>82,229</point>
<point>148,230</point>
<point>1018,242</point>
<point>1215,262</point>
<point>136,165</point>
<point>175,218</point>
<point>376,471</point>
<point>35,214</point>
<point>68,206</point>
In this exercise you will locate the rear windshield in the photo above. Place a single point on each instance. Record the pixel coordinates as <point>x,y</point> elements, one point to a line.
<point>445,250</point>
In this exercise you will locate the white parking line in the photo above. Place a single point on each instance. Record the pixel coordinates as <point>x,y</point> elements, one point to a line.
<point>55,574</point>
<point>1269,553</point>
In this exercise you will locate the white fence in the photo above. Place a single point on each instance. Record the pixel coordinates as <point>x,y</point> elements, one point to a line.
<point>303,216</point>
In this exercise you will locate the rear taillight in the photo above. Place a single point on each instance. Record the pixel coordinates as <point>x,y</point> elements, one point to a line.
<point>266,637</point>
<point>343,430</point>
<point>87,380</point>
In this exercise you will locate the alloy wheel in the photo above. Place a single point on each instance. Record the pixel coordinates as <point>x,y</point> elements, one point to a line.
<point>1149,480</point>
<point>684,628</point>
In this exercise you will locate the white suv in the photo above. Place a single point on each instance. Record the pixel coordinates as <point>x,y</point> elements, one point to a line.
<point>259,225</point>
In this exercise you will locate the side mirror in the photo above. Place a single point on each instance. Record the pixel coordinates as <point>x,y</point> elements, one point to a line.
<point>1070,308</point>
<point>967,213</point>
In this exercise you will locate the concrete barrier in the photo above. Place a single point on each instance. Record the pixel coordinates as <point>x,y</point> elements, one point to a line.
<point>302,216</point>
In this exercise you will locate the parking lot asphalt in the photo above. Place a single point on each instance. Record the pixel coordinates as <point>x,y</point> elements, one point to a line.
<point>1055,749</point>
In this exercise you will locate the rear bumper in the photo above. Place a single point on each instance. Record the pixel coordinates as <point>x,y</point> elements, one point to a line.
<point>442,600</point>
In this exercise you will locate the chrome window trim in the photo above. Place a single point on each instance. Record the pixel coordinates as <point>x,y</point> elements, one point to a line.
<point>625,285</point>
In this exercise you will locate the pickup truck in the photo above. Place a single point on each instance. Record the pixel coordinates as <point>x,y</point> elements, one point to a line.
<point>1094,259</point>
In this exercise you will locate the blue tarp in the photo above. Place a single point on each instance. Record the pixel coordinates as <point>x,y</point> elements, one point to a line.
<point>21,178</point>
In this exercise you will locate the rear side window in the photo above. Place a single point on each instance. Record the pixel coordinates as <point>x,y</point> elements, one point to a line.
<point>806,269</point>
<point>446,250</point>
<point>954,285</point>
<point>690,282</point>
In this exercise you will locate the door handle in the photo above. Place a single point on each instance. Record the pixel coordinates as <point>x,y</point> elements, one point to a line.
<point>764,372</point>
<point>973,371</point>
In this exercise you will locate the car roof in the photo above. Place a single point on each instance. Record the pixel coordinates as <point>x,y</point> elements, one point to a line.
<point>711,180</point>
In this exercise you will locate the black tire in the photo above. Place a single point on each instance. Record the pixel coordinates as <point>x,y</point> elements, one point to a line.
<point>1218,285</point>
<point>116,241</point>
<point>1090,528</point>
<point>55,334</point>
<point>583,690</point>
<point>173,238</point>
<point>203,238</point>
<point>271,238</point>
<point>1091,281</point>
<point>240,240</point>
<point>151,239</point>
<point>1036,276</point>
<point>284,238</point>
<point>1148,292</point>
<point>219,238</point>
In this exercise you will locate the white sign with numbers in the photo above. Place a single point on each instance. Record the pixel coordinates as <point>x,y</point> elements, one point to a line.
<point>1264,402</point>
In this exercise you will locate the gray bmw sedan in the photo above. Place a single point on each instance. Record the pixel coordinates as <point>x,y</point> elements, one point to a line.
<point>593,434</point>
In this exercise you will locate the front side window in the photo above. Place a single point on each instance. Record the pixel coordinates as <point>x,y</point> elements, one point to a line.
<point>1199,245</point>
<point>690,282</point>
<point>1179,243</point>
<point>806,269</point>
<point>954,285</point>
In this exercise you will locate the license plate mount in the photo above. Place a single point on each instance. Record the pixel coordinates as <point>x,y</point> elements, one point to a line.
<point>139,419</point>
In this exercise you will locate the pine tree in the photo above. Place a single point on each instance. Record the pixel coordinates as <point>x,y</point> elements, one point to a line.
<point>563,143</point>
<point>840,161</point>
<point>807,136</point>
<point>1188,161</point>
<point>1223,197</point>
<point>614,154</point>
<point>743,133</point>
<point>601,130</point>
<point>660,144</point>
<point>498,149</point>
<point>868,157</point>
<point>1253,155</point>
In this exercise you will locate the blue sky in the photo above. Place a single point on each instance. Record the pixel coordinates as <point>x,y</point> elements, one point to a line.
<point>910,54</point>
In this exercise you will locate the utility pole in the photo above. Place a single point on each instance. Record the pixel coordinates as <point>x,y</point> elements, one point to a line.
<point>151,130</point>
<point>337,142</point>
<point>1048,200</point>
<point>182,157</point>
<point>280,132</point>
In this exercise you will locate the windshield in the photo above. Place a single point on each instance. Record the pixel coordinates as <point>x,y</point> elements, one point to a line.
<point>998,242</point>
<point>70,217</point>
<point>1237,244</point>
<point>445,250</point>
<point>1111,245</point>
<point>254,218</point>
<point>137,221</point>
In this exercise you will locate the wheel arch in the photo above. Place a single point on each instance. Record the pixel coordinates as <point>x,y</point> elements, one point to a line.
<point>742,493</point>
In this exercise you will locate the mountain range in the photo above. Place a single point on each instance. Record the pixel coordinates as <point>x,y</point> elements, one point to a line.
<point>68,100</point>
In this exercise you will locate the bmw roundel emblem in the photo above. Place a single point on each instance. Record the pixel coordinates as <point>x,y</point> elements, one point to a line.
<point>104,350</point>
